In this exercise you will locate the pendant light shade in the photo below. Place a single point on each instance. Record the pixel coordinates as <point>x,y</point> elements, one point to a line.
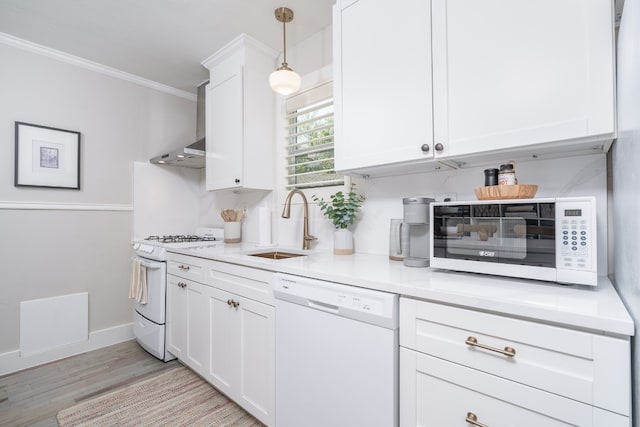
<point>284,80</point>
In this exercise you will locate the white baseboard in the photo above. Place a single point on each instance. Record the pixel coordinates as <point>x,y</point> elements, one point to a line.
<point>13,362</point>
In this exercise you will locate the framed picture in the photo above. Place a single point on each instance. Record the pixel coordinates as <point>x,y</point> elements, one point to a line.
<point>47,157</point>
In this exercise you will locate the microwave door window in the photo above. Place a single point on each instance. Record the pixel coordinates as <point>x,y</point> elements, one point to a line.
<point>489,239</point>
<point>541,244</point>
<point>519,234</point>
<point>513,238</point>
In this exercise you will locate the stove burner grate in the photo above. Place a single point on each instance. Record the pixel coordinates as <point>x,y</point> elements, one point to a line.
<point>180,238</point>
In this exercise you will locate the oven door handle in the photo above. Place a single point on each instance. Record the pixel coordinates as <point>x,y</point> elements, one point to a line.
<point>152,266</point>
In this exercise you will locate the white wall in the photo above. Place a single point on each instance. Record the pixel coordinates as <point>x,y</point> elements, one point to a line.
<point>626,179</point>
<point>74,245</point>
<point>165,199</point>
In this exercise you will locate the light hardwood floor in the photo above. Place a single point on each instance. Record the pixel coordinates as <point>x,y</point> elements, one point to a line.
<point>34,396</point>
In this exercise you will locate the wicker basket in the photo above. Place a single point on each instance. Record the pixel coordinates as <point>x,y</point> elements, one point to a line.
<point>500,192</point>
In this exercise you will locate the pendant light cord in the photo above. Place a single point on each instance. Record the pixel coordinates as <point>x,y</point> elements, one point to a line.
<point>284,42</point>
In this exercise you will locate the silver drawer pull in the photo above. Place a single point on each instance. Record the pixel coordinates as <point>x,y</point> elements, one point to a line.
<point>183,267</point>
<point>473,419</point>
<point>508,351</point>
<point>182,285</point>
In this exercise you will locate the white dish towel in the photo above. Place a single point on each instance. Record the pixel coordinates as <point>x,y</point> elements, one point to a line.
<point>138,286</point>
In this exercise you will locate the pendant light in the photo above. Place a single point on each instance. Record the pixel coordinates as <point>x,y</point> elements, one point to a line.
<point>284,80</point>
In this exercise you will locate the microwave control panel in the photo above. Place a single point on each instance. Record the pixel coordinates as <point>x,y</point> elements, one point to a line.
<point>575,235</point>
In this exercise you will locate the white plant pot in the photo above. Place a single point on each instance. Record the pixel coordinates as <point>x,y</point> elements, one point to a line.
<point>342,242</point>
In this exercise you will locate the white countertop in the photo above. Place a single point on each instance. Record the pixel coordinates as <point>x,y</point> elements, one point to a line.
<point>594,308</point>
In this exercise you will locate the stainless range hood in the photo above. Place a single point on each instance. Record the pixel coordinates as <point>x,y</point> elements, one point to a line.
<point>193,155</point>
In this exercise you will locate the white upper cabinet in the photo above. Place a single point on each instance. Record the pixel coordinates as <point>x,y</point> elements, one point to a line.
<point>470,78</point>
<point>514,73</point>
<point>240,117</point>
<point>382,83</point>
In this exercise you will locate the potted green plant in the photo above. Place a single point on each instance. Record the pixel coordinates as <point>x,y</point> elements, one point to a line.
<point>341,209</point>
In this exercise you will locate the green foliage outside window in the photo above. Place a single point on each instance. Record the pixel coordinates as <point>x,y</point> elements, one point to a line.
<point>312,129</point>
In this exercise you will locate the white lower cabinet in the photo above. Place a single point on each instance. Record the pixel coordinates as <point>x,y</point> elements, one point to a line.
<point>464,367</point>
<point>176,325</point>
<point>242,351</point>
<point>187,320</point>
<point>435,392</point>
<point>224,329</point>
<point>197,332</point>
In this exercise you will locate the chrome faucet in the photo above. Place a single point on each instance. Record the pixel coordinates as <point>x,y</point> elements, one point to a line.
<point>286,213</point>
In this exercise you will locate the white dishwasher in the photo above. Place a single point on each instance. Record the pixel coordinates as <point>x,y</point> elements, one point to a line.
<point>336,354</point>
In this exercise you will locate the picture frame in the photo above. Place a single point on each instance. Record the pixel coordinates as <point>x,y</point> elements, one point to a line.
<point>46,157</point>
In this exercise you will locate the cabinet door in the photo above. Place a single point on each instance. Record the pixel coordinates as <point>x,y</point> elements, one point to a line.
<point>197,347</point>
<point>382,90</point>
<point>256,341</point>
<point>176,316</point>
<point>223,362</point>
<point>513,73</point>
<point>225,135</point>
<point>434,392</point>
<point>242,352</point>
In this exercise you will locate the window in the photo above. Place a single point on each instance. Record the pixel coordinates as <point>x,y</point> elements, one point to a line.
<point>309,135</point>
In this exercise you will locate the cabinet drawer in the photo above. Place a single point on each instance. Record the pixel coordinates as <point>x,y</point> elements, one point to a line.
<point>434,392</point>
<point>187,267</point>
<point>590,368</point>
<point>242,286</point>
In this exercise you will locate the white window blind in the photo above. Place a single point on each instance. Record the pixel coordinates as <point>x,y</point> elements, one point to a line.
<point>309,139</point>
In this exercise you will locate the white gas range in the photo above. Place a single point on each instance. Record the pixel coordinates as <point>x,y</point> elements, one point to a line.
<point>155,247</point>
<point>151,253</point>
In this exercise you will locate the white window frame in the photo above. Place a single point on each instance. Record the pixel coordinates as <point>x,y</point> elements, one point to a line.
<point>310,96</point>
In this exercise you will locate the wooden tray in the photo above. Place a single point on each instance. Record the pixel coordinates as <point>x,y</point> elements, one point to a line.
<point>502,192</point>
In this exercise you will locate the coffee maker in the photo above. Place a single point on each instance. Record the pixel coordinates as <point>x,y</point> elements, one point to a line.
<point>416,219</point>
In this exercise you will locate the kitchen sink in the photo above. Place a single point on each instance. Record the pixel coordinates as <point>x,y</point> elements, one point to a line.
<point>276,254</point>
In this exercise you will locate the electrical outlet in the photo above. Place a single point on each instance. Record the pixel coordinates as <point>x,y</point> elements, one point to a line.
<point>446,197</point>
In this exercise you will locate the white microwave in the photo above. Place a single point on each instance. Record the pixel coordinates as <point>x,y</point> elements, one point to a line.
<point>551,239</point>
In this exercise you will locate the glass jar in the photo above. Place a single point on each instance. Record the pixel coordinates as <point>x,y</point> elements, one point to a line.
<point>507,174</point>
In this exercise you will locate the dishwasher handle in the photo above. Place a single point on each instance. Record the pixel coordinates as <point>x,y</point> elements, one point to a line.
<point>284,295</point>
<point>330,308</point>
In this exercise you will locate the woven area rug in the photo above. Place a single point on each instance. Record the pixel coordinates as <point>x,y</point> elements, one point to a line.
<point>176,398</point>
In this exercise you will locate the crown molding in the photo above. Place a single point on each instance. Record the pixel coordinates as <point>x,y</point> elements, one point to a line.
<point>16,42</point>
<point>242,41</point>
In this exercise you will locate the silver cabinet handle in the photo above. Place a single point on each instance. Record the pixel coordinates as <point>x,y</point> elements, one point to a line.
<point>439,147</point>
<point>182,285</point>
<point>473,342</point>
<point>473,419</point>
<point>232,303</point>
<point>425,148</point>
<point>183,267</point>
